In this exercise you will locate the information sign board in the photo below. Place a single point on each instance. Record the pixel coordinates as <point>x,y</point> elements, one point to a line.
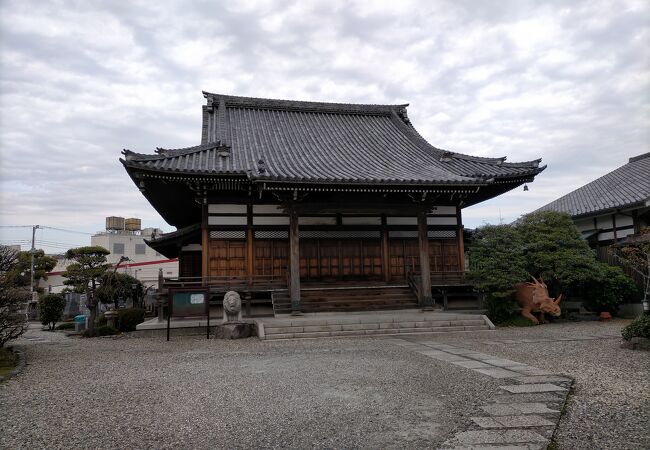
<point>188,302</point>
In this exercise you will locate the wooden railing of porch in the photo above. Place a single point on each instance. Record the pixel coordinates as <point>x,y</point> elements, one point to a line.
<point>438,279</point>
<point>245,283</point>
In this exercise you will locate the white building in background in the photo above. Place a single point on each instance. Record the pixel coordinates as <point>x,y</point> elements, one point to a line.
<point>123,238</point>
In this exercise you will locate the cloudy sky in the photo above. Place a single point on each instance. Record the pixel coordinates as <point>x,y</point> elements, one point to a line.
<point>567,81</point>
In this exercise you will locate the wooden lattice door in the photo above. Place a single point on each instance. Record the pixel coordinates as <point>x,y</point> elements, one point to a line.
<point>450,256</point>
<point>329,254</point>
<point>372,262</point>
<point>271,258</point>
<point>404,257</point>
<point>227,258</point>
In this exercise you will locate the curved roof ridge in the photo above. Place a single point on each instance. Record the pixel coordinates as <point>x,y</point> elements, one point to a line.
<point>300,105</point>
<point>162,153</point>
<point>500,161</point>
<point>446,155</point>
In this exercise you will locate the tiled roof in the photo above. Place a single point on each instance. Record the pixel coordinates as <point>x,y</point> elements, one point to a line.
<point>281,140</point>
<point>624,187</point>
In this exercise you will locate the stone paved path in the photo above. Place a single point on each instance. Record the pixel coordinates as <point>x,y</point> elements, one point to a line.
<point>523,416</point>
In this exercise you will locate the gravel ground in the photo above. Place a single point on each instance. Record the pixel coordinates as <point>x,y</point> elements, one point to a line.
<point>610,405</point>
<point>194,393</point>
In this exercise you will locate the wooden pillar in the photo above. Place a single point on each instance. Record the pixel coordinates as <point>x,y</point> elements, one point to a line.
<point>294,261</point>
<point>205,244</point>
<point>461,241</point>
<point>249,243</point>
<point>385,249</point>
<point>425,271</point>
<point>614,227</point>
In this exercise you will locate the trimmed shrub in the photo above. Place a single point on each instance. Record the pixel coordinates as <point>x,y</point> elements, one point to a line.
<point>610,288</point>
<point>130,318</point>
<point>65,326</point>
<point>106,330</point>
<point>639,328</point>
<point>103,330</point>
<point>500,307</point>
<point>517,321</point>
<point>101,320</point>
<point>51,309</point>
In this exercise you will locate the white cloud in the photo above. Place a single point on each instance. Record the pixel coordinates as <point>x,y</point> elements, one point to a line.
<point>81,81</point>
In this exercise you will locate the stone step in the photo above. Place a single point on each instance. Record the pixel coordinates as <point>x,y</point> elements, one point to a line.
<point>286,308</point>
<point>343,326</point>
<point>348,299</point>
<point>358,298</point>
<point>373,332</point>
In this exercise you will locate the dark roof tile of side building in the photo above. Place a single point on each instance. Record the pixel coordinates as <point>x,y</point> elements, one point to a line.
<point>625,187</point>
<point>295,141</point>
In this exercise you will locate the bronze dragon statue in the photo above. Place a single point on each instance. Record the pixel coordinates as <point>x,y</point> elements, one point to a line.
<point>534,297</point>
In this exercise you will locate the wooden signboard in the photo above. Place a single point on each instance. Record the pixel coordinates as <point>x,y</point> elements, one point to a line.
<point>188,302</point>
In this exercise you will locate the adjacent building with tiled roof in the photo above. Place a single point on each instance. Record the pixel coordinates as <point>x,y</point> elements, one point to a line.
<point>613,206</point>
<point>323,192</point>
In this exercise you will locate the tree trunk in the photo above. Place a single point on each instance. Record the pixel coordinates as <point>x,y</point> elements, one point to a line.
<point>92,306</point>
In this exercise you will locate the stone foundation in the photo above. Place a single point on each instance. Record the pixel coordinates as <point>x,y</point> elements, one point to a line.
<point>238,330</point>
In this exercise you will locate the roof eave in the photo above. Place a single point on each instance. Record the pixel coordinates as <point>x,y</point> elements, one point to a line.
<point>614,209</point>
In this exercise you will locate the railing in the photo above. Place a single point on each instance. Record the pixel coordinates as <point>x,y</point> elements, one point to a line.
<point>414,284</point>
<point>268,282</point>
<point>244,283</point>
<point>453,276</point>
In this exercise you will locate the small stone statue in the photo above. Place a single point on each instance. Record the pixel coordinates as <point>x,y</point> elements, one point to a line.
<point>231,307</point>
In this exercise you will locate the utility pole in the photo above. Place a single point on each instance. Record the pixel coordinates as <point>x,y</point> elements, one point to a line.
<point>31,271</point>
<point>32,251</point>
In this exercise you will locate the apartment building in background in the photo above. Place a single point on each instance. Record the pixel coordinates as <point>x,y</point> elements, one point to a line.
<point>123,238</point>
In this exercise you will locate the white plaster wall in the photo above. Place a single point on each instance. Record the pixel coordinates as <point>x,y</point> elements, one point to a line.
<point>308,220</point>
<point>267,209</point>
<point>401,220</point>
<point>584,225</point>
<point>226,209</point>
<point>623,221</point>
<point>226,220</point>
<point>604,221</point>
<point>270,220</point>
<point>443,210</point>
<point>442,220</point>
<point>351,220</point>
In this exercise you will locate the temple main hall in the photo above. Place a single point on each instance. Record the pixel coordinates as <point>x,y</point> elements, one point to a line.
<point>309,207</point>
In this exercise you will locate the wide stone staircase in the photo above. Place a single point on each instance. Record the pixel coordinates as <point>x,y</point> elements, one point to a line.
<point>351,298</point>
<point>370,324</point>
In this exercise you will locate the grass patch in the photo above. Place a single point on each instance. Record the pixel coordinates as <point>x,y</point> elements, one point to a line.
<point>553,445</point>
<point>516,321</point>
<point>7,361</point>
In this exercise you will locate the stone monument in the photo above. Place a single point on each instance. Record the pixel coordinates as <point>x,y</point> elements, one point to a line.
<point>232,326</point>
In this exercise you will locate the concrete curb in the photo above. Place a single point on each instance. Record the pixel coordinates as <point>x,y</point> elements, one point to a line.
<point>488,322</point>
<point>20,364</point>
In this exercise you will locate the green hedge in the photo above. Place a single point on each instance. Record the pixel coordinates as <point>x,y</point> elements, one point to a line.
<point>51,309</point>
<point>639,328</point>
<point>103,330</point>
<point>130,318</point>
